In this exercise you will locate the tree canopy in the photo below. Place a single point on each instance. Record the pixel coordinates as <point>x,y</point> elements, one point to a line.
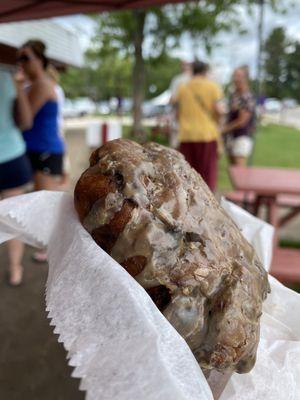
<point>281,65</point>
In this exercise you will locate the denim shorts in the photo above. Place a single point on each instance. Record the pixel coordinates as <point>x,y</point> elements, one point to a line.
<point>15,173</point>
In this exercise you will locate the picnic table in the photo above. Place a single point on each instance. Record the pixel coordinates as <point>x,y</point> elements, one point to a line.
<point>272,187</point>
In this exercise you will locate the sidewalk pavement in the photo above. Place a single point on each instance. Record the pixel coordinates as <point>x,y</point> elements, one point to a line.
<point>33,364</point>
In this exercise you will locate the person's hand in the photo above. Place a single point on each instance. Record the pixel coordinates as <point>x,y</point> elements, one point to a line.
<point>19,79</point>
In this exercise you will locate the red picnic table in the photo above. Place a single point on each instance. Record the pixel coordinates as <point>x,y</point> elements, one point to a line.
<point>272,187</point>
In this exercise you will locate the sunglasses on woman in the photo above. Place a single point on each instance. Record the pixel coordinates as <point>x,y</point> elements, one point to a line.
<point>23,58</point>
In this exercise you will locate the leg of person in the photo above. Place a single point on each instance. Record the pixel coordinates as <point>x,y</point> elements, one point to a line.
<point>45,178</point>
<point>194,153</point>
<point>212,163</point>
<point>208,157</point>
<point>240,161</point>
<point>44,181</point>
<point>186,149</point>
<point>205,162</point>
<point>47,168</point>
<point>241,150</point>
<point>64,182</point>
<point>15,248</point>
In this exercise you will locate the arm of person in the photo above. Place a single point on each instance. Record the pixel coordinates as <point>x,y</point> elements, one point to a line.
<point>219,106</point>
<point>243,118</point>
<point>38,95</point>
<point>176,94</point>
<point>174,98</point>
<point>219,111</point>
<point>28,104</point>
<point>22,111</point>
<point>173,91</point>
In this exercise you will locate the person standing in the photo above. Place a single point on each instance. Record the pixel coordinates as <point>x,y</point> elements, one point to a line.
<point>177,81</point>
<point>199,110</point>
<point>184,77</point>
<point>240,125</point>
<point>54,76</point>
<point>45,146</point>
<point>15,170</point>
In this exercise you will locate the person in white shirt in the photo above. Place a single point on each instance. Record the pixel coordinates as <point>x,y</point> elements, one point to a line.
<point>184,77</point>
<point>177,81</point>
<point>54,75</point>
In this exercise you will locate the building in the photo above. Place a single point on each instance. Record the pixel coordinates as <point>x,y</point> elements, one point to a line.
<point>62,45</point>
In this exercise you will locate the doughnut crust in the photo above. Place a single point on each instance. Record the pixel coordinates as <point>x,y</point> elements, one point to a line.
<point>153,213</point>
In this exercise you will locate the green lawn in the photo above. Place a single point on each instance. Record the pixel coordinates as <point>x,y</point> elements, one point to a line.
<point>276,146</point>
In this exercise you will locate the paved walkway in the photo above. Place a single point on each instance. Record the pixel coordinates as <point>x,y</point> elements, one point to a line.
<point>33,364</point>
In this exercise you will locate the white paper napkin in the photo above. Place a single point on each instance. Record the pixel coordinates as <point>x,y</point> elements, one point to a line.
<point>121,346</point>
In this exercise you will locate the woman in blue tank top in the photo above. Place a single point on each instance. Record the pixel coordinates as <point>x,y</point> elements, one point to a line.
<point>45,146</point>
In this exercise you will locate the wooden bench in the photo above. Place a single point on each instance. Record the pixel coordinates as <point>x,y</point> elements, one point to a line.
<point>286,265</point>
<point>286,261</point>
<point>247,200</point>
<point>239,197</point>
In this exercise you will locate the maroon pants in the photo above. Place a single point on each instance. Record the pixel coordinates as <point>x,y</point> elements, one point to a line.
<point>203,158</point>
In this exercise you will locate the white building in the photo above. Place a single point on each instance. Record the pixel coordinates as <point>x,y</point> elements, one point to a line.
<point>63,47</point>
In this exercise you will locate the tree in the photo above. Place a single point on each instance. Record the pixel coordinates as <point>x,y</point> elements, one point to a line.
<point>293,72</point>
<point>163,27</point>
<point>159,73</point>
<point>106,74</point>
<point>275,65</point>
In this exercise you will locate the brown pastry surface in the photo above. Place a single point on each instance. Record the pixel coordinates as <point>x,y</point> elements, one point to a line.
<point>153,214</point>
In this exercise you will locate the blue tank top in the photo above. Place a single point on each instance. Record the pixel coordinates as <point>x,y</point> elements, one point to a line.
<point>44,136</point>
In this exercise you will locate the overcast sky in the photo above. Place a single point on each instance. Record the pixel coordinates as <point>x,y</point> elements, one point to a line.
<point>234,49</point>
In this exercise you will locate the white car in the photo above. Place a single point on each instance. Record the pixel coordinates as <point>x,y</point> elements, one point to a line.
<point>103,108</point>
<point>272,105</point>
<point>69,110</point>
<point>84,106</point>
<point>289,103</point>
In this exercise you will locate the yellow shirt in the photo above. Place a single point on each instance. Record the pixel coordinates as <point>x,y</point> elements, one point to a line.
<point>196,100</point>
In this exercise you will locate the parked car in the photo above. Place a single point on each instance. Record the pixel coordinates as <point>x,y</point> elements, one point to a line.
<point>272,105</point>
<point>69,110</point>
<point>103,108</point>
<point>78,107</point>
<point>84,106</point>
<point>127,104</point>
<point>289,103</point>
<point>151,110</point>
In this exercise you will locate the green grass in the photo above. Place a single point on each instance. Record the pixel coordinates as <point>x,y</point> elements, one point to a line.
<point>159,138</point>
<point>275,146</point>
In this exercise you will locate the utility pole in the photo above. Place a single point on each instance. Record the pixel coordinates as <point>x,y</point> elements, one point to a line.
<point>259,48</point>
<point>261,4</point>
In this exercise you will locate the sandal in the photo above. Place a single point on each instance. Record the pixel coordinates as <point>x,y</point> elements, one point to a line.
<point>39,257</point>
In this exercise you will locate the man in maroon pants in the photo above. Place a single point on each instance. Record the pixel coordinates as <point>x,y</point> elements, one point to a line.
<point>199,110</point>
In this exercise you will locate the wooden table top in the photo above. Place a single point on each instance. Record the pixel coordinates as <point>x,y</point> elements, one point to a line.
<point>266,181</point>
